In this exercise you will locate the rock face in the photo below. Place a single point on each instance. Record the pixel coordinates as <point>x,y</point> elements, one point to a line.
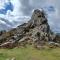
<point>36,31</point>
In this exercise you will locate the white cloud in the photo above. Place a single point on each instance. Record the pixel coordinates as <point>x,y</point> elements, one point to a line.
<point>24,8</point>
<point>17,6</point>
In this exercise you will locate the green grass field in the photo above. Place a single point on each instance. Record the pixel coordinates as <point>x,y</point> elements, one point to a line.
<point>30,53</point>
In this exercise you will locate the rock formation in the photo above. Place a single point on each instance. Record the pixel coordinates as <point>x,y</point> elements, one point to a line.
<point>36,31</point>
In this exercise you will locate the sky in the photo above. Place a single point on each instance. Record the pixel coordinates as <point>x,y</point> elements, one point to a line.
<point>22,11</point>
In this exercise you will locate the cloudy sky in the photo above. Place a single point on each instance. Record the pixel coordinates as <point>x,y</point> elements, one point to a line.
<point>22,10</point>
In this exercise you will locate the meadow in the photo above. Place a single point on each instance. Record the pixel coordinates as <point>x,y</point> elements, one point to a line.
<point>30,53</point>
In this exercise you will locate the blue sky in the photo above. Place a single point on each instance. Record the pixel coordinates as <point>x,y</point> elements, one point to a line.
<point>23,10</point>
<point>7,6</point>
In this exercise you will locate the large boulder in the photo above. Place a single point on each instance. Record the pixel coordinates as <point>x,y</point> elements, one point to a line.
<point>37,30</point>
<point>41,32</point>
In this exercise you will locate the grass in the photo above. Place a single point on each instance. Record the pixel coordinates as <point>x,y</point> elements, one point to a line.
<point>30,53</point>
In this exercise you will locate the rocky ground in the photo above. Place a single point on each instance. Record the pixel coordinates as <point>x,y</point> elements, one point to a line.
<point>36,32</point>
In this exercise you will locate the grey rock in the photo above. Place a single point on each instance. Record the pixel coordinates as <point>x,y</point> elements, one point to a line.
<point>37,29</point>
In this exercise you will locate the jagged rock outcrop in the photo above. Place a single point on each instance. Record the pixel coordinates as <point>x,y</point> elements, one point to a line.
<point>36,31</point>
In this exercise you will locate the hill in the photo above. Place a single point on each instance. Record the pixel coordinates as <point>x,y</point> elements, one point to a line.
<point>36,32</point>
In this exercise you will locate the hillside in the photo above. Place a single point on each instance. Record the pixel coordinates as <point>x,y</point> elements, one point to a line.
<point>36,32</point>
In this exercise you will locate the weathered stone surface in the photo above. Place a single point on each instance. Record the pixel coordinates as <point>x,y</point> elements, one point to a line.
<point>9,44</point>
<point>37,31</point>
<point>53,44</point>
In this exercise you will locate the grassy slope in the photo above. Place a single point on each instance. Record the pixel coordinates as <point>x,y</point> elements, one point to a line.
<point>30,53</point>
